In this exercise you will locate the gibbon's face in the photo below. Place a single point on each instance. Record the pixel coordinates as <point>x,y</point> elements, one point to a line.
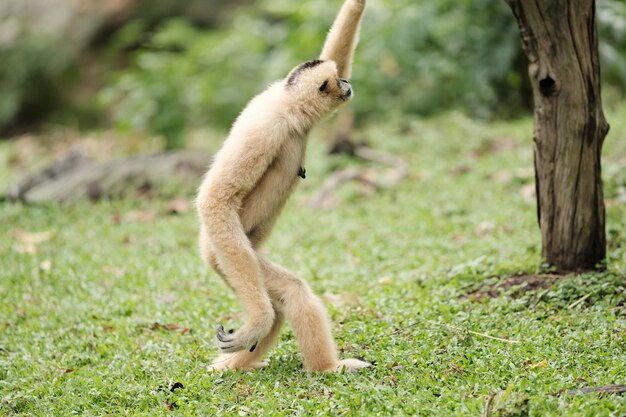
<point>317,82</point>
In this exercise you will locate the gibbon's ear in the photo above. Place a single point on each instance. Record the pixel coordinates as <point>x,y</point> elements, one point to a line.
<point>324,87</point>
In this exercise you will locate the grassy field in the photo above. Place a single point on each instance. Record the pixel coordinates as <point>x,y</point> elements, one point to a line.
<point>106,309</point>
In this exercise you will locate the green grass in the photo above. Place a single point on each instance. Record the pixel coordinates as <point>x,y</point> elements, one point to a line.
<point>77,316</point>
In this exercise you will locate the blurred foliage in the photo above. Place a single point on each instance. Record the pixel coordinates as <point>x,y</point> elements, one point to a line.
<point>612,33</point>
<point>54,53</point>
<point>415,57</point>
<point>33,79</point>
<point>178,70</point>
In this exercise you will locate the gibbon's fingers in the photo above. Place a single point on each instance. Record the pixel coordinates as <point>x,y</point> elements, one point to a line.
<point>226,343</point>
<point>247,360</point>
<point>222,336</point>
<point>230,345</point>
<point>343,37</point>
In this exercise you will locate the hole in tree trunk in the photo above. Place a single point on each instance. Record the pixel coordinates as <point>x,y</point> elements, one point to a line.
<point>547,86</point>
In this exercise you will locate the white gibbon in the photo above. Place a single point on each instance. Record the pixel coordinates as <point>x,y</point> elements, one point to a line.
<point>245,189</point>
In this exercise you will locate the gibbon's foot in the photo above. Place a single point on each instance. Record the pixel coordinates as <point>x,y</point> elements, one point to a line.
<point>350,365</point>
<point>245,338</point>
<point>231,361</point>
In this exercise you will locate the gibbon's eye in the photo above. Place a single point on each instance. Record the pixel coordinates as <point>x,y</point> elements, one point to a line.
<point>324,86</point>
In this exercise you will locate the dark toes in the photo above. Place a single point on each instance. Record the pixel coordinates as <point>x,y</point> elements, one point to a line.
<point>222,336</point>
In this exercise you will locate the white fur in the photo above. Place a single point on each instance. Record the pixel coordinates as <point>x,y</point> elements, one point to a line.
<point>244,191</point>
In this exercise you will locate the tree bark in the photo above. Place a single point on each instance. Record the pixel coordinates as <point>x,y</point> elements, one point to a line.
<point>560,40</point>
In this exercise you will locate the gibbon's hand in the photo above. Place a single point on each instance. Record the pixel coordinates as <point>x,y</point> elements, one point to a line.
<point>225,341</point>
<point>228,343</point>
<point>247,337</point>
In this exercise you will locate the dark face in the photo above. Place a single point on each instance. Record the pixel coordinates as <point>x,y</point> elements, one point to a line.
<point>345,87</point>
<point>337,88</point>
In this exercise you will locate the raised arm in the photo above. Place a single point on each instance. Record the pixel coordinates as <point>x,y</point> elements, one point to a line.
<point>343,36</point>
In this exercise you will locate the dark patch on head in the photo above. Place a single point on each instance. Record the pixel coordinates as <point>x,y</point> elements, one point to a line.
<point>302,67</point>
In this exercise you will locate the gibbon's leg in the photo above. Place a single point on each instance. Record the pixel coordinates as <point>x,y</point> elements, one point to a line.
<point>251,360</point>
<point>343,37</point>
<point>308,318</point>
<point>238,264</point>
<point>306,315</point>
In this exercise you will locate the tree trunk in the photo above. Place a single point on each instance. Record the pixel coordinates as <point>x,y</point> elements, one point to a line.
<point>560,40</point>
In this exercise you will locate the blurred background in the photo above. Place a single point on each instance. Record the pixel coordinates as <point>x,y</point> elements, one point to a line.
<point>168,73</point>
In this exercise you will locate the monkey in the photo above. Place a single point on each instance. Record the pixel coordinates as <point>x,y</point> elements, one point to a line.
<point>246,187</point>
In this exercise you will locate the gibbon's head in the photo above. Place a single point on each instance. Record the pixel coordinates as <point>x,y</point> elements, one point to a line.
<point>316,83</point>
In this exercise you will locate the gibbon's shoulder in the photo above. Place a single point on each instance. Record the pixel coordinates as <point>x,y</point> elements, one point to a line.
<point>262,108</point>
<point>274,95</point>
